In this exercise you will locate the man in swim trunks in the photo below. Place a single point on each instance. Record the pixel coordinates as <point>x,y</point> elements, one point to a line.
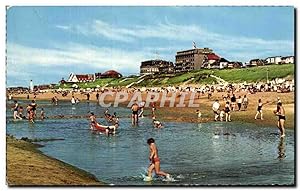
<point>134,116</point>
<point>280,112</point>
<point>154,160</point>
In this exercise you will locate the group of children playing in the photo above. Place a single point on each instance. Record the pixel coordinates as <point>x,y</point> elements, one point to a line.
<point>31,112</point>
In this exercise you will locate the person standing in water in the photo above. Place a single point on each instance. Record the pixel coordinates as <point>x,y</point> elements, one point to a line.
<point>154,161</point>
<point>280,112</point>
<point>73,101</point>
<point>16,110</point>
<point>33,108</point>
<point>42,115</point>
<point>134,116</point>
<point>93,121</point>
<point>259,109</point>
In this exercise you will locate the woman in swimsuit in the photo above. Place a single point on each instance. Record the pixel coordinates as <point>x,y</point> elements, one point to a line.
<point>154,160</point>
<point>16,110</point>
<point>227,112</point>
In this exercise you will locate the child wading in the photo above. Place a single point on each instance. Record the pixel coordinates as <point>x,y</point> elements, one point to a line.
<point>154,161</point>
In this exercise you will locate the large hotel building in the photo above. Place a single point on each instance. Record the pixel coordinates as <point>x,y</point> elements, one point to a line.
<point>192,59</point>
<point>156,67</point>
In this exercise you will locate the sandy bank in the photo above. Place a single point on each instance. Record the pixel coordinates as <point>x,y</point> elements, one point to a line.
<point>27,166</point>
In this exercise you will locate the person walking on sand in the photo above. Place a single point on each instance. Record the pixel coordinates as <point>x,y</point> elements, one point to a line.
<point>233,100</point>
<point>215,108</point>
<point>199,114</point>
<point>154,161</point>
<point>280,112</point>
<point>245,102</point>
<point>134,116</point>
<point>239,102</point>
<point>88,97</point>
<point>97,97</point>
<point>259,109</point>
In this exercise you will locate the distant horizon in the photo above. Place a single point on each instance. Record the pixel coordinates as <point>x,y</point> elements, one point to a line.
<point>46,44</point>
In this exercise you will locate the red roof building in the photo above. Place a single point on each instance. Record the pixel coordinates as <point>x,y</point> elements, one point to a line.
<point>110,74</point>
<point>213,56</point>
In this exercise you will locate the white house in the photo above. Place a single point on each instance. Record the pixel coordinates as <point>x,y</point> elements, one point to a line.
<point>273,60</point>
<point>223,63</point>
<point>81,78</point>
<point>287,60</point>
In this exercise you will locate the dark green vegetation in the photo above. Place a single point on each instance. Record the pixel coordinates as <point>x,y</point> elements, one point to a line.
<point>254,74</point>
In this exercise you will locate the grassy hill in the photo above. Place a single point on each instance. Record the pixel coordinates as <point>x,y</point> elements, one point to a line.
<point>202,76</point>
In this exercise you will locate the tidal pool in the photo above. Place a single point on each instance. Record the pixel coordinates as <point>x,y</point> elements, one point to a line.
<point>214,153</point>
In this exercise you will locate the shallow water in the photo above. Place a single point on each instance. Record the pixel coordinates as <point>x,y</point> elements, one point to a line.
<point>198,154</point>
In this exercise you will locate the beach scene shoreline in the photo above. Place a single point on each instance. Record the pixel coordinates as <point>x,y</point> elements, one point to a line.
<point>176,96</point>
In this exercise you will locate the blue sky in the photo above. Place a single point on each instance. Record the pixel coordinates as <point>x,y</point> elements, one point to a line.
<point>47,43</point>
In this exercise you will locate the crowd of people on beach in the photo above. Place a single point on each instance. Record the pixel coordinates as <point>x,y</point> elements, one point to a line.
<point>242,104</point>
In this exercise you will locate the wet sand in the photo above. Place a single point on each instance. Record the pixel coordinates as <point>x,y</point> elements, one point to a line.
<point>27,166</point>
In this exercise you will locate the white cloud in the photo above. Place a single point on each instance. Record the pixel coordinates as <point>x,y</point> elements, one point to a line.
<point>25,62</point>
<point>72,54</point>
<point>186,33</point>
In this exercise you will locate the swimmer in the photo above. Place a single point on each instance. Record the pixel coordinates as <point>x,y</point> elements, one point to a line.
<point>93,121</point>
<point>154,161</point>
<point>156,123</point>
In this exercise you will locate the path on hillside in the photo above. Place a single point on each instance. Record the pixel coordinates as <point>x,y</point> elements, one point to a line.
<point>219,80</point>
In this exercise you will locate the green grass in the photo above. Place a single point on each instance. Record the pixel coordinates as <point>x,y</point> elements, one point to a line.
<point>254,74</point>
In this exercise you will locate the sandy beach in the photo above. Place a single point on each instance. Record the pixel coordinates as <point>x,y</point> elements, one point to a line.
<point>27,166</point>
